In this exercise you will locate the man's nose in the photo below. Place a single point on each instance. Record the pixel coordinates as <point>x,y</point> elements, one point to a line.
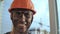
<point>23,18</point>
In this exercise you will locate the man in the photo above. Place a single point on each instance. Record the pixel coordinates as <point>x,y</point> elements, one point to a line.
<point>22,12</point>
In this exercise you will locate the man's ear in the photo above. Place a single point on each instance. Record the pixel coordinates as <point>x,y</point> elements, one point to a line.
<point>32,19</point>
<point>11,15</point>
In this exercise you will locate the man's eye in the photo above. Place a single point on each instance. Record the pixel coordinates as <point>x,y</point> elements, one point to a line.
<point>27,15</point>
<point>18,13</point>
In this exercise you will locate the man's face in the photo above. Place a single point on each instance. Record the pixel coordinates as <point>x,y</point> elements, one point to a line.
<point>21,19</point>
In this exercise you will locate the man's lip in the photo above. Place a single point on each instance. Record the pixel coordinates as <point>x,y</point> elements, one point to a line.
<point>22,22</point>
<point>21,25</point>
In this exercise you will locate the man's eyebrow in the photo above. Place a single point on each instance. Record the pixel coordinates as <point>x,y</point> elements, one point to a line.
<point>26,12</point>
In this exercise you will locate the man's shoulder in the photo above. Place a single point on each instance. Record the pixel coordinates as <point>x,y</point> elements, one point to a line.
<point>7,33</point>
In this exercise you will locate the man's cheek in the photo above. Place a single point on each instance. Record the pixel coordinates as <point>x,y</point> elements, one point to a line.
<point>28,24</point>
<point>29,20</point>
<point>14,21</point>
<point>14,24</point>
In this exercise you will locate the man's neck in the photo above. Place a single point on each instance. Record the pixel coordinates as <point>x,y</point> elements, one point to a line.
<point>16,32</point>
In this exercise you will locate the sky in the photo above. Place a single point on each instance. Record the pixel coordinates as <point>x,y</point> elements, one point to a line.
<point>41,16</point>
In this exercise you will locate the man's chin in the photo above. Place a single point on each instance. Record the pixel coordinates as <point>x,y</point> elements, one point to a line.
<point>21,28</point>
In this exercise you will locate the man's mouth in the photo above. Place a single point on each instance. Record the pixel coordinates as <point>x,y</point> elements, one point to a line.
<point>21,27</point>
<point>22,22</point>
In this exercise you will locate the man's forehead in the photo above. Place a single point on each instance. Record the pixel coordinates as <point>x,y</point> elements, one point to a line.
<point>25,11</point>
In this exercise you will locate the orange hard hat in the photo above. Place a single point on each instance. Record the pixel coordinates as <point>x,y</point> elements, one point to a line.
<point>22,4</point>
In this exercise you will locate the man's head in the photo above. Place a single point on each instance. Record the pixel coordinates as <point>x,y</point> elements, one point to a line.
<point>22,12</point>
<point>21,19</point>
